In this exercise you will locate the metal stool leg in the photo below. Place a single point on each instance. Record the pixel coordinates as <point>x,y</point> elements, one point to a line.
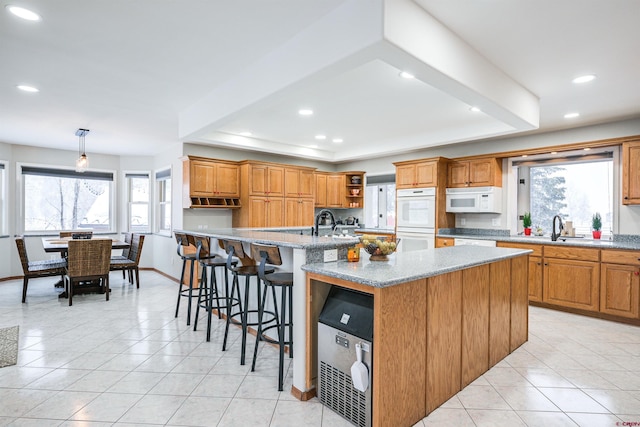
<point>203,281</point>
<point>190,293</point>
<point>184,265</point>
<point>259,334</point>
<point>234,285</point>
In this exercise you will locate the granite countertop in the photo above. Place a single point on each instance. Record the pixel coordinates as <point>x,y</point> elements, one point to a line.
<point>627,242</point>
<point>276,238</point>
<point>376,230</point>
<point>407,266</point>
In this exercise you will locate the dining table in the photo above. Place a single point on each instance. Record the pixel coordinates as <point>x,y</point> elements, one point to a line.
<point>61,245</point>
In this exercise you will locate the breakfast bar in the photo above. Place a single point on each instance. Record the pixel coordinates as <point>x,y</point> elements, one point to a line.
<point>442,317</point>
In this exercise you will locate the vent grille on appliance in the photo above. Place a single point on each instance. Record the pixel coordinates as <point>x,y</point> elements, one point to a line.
<point>337,392</point>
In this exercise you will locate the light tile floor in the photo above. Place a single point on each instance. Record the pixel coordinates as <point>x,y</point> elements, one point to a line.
<point>130,362</point>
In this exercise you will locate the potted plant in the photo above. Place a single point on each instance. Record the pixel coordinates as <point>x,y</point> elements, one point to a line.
<point>596,224</point>
<point>526,223</point>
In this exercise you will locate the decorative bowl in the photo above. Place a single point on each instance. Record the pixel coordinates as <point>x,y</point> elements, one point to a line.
<point>355,191</point>
<point>379,247</point>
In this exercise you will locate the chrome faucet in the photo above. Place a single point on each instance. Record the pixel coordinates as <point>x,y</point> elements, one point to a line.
<point>554,235</point>
<point>323,212</point>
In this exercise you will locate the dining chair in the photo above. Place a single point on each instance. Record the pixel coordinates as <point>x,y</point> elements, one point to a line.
<point>35,269</point>
<point>88,260</point>
<point>124,255</point>
<point>131,262</point>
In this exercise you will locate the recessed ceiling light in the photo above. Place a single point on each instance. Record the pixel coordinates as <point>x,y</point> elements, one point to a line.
<point>571,115</point>
<point>337,140</point>
<point>27,88</point>
<point>23,13</point>
<point>246,133</point>
<point>406,75</point>
<point>584,79</point>
<point>321,137</point>
<point>305,112</point>
<point>474,109</point>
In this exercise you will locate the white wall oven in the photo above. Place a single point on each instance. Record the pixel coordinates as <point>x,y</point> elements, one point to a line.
<point>416,218</point>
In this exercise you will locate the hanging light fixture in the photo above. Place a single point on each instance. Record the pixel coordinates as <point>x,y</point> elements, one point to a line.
<point>83,162</point>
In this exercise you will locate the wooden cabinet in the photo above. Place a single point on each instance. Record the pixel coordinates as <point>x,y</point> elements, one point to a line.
<point>335,190</point>
<point>264,179</point>
<point>571,277</point>
<point>421,174</point>
<point>261,195</point>
<point>210,183</point>
<point>442,242</point>
<point>265,212</point>
<point>321,189</point>
<point>475,173</point>
<point>298,212</point>
<point>631,173</point>
<point>299,182</point>
<point>299,185</point>
<point>620,283</point>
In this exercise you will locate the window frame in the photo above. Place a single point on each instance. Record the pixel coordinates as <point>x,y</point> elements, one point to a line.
<point>518,201</point>
<point>163,183</point>
<point>128,202</point>
<point>4,194</point>
<point>20,187</point>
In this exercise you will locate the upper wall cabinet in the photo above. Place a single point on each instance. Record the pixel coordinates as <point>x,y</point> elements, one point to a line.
<point>265,179</point>
<point>299,182</point>
<point>210,183</point>
<point>419,174</point>
<point>631,173</point>
<point>475,173</point>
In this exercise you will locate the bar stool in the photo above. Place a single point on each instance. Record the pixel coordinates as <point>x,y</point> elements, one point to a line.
<point>184,240</point>
<point>248,270</point>
<point>283,280</point>
<point>205,299</point>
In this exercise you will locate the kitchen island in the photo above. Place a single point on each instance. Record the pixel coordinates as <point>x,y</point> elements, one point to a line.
<point>442,317</point>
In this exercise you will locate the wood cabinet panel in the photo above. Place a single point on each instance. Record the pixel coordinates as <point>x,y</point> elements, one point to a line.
<point>442,242</point>
<point>619,290</point>
<point>299,183</point>
<point>299,212</point>
<point>227,180</point>
<point>631,173</point>
<point>537,249</point>
<point>499,310</point>
<point>201,180</point>
<point>620,257</point>
<point>444,337</point>
<point>475,323</point>
<point>398,366</point>
<point>266,212</point>
<point>475,173</point>
<point>321,189</point>
<point>535,278</point>
<point>335,190</point>
<point>572,252</point>
<point>420,174</point>
<point>266,180</point>
<point>519,302</point>
<point>571,283</point>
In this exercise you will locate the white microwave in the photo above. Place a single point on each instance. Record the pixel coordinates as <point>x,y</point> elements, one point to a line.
<point>474,200</point>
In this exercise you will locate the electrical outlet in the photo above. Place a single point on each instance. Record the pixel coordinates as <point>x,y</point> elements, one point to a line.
<point>495,222</point>
<point>463,221</point>
<point>330,255</point>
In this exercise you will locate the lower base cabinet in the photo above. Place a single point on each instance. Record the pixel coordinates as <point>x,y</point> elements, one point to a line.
<point>619,285</point>
<point>572,284</point>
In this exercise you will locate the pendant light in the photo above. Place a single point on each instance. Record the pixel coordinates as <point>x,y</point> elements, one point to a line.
<point>83,162</point>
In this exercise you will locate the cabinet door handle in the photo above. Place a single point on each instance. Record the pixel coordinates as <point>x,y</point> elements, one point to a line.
<point>546,263</point>
<point>626,197</point>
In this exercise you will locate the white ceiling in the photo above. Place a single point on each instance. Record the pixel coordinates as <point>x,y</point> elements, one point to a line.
<point>147,74</point>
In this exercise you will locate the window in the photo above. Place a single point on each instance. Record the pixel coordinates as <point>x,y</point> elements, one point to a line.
<point>574,187</point>
<point>380,202</point>
<point>3,200</point>
<point>138,202</point>
<point>163,217</point>
<point>62,199</point>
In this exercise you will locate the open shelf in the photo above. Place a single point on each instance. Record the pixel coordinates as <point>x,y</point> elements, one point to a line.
<point>215,202</point>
